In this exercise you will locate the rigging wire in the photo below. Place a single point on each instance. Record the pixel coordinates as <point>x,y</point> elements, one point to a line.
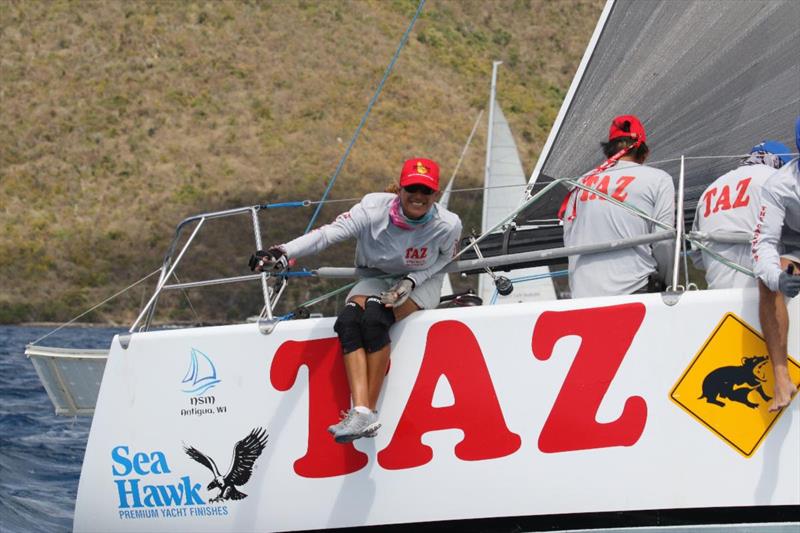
<point>329,294</point>
<point>65,324</point>
<point>388,71</point>
<point>186,295</point>
<point>445,198</point>
<point>464,189</point>
<point>466,147</point>
<point>306,203</point>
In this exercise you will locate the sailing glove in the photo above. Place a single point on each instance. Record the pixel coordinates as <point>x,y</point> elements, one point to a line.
<point>789,284</point>
<point>398,294</point>
<point>273,259</point>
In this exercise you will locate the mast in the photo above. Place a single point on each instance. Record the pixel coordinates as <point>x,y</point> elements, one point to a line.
<point>482,280</point>
<point>489,140</point>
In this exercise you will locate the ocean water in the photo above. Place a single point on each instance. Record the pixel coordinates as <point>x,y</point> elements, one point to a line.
<point>40,453</point>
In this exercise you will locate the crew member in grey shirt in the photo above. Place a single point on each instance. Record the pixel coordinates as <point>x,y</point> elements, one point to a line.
<point>776,263</point>
<point>406,235</point>
<point>590,219</point>
<point>731,204</point>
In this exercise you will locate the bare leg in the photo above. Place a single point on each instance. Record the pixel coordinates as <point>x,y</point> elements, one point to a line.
<point>355,365</point>
<point>378,362</point>
<point>774,319</point>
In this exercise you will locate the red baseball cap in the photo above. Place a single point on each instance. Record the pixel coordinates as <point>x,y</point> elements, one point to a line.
<point>420,171</point>
<point>626,126</point>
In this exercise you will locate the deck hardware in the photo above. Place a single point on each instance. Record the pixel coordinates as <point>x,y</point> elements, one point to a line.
<point>672,297</point>
<point>125,340</point>
<point>267,325</point>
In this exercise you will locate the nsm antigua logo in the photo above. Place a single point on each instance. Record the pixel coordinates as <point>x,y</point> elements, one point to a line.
<point>245,454</point>
<point>201,377</point>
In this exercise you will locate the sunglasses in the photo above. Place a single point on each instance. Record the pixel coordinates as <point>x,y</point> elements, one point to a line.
<point>413,189</point>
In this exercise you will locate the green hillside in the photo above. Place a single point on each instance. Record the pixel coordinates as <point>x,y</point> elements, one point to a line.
<point>120,118</point>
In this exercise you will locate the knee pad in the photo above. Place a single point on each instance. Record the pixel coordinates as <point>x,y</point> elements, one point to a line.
<point>375,324</point>
<point>348,327</point>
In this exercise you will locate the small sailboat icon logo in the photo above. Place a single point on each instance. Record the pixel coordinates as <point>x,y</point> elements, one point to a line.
<point>202,374</point>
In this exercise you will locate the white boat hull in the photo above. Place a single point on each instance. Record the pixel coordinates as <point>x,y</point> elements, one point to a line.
<point>520,410</point>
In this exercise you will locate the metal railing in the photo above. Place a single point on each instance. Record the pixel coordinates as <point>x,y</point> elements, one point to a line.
<point>168,266</point>
<point>274,284</point>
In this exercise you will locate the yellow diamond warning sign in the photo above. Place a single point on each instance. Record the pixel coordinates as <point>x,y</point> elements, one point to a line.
<point>728,385</point>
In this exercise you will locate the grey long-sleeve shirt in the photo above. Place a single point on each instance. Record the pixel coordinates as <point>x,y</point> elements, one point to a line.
<point>778,226</point>
<point>730,204</point>
<point>596,220</point>
<point>420,253</point>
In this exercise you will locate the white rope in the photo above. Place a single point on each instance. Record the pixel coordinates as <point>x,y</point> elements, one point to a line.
<point>65,324</point>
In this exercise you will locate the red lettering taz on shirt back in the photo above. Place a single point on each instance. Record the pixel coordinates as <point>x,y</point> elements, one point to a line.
<point>720,200</point>
<point>602,185</point>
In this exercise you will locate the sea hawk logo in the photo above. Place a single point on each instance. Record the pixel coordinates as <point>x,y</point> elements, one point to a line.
<point>245,454</point>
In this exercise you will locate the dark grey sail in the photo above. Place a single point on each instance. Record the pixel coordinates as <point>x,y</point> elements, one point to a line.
<point>706,77</point>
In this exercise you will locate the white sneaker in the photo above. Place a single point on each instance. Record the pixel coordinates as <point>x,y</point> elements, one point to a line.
<point>371,434</point>
<point>332,429</point>
<point>357,425</point>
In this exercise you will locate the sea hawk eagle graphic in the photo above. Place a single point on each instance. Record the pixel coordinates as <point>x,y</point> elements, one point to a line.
<point>245,454</point>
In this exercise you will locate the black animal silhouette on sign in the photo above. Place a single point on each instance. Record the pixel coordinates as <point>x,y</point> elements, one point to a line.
<point>735,383</point>
<point>245,454</point>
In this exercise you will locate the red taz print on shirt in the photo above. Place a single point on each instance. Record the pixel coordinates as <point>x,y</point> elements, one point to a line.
<point>416,256</point>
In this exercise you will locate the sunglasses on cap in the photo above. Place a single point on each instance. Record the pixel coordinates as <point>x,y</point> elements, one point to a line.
<point>416,188</point>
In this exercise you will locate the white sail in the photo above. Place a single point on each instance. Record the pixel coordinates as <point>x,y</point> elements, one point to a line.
<point>504,183</point>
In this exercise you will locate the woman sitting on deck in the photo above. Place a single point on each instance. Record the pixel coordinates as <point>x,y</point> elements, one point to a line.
<point>409,237</point>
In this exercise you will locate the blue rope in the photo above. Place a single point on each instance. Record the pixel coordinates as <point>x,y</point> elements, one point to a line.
<point>302,203</point>
<point>298,274</point>
<point>556,274</point>
<point>366,114</point>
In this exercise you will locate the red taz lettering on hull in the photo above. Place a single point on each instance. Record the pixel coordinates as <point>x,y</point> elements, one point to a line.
<point>328,393</point>
<point>606,334</point>
<point>451,351</point>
